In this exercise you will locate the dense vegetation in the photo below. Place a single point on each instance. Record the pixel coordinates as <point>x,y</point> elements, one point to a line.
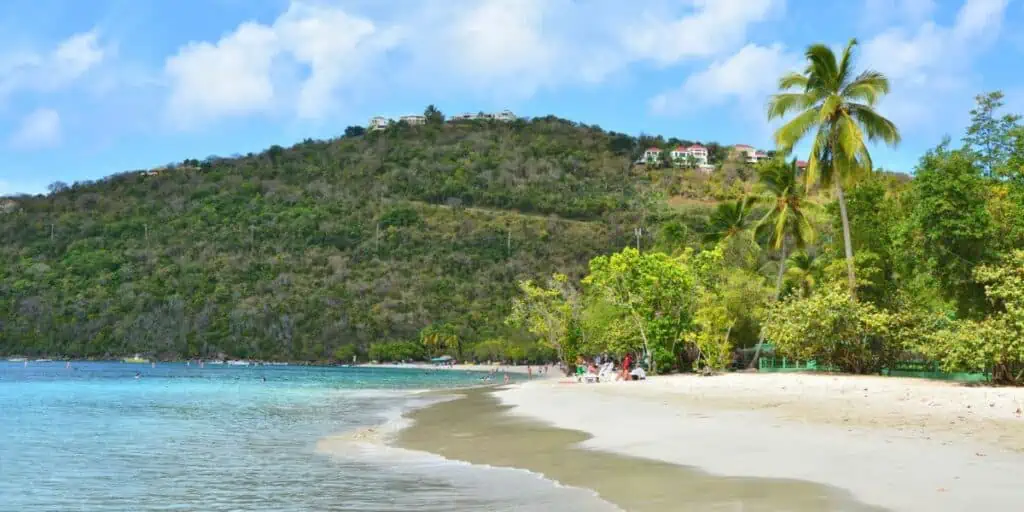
<point>541,239</point>
<point>320,249</point>
<point>841,264</point>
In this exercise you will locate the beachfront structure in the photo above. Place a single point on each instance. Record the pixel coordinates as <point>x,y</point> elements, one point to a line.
<point>378,123</point>
<point>413,120</point>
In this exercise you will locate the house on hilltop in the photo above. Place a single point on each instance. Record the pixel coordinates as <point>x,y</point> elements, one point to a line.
<point>697,152</point>
<point>378,123</point>
<point>413,120</point>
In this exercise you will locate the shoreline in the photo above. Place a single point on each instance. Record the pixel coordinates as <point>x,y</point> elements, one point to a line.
<point>900,444</point>
<point>477,429</point>
<point>521,369</point>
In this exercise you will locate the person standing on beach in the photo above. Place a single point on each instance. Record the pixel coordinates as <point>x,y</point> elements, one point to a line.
<point>626,363</point>
<point>529,372</point>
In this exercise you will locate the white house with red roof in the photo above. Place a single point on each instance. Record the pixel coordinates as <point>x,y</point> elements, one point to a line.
<point>751,155</point>
<point>652,154</point>
<point>698,152</point>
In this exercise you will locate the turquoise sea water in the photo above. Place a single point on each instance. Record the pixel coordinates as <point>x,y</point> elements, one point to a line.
<point>180,438</point>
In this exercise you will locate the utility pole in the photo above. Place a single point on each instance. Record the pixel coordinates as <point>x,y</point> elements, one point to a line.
<point>508,243</point>
<point>51,231</point>
<point>376,240</point>
<point>638,232</point>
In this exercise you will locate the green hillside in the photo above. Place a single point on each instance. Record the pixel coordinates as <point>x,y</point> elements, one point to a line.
<point>297,251</point>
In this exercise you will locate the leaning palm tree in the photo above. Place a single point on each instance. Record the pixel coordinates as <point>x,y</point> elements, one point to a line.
<point>837,108</point>
<point>785,223</point>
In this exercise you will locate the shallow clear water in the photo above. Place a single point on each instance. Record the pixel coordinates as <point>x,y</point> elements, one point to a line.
<point>95,438</point>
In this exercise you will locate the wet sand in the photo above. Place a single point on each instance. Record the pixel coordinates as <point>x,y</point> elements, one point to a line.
<point>478,429</point>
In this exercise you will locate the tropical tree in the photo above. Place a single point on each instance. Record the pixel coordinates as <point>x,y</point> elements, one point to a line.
<point>837,108</point>
<point>544,311</point>
<point>433,115</point>
<point>802,271</point>
<point>729,219</point>
<point>785,222</point>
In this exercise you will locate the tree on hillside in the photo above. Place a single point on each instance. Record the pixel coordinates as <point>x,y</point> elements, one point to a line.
<point>786,221</point>
<point>837,108</point>
<point>990,136</point>
<point>354,131</point>
<point>433,115</point>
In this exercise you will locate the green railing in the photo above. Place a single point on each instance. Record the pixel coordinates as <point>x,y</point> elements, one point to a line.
<point>914,369</point>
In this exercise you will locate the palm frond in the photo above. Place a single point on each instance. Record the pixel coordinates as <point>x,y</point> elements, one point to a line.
<point>822,69</point>
<point>790,133</point>
<point>877,127</point>
<point>869,87</point>
<point>783,103</point>
<point>793,80</point>
<point>846,62</point>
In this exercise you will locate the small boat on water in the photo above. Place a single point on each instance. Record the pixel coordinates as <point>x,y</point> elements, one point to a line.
<point>17,360</point>
<point>239,362</point>
<point>44,360</point>
<point>137,359</point>
<point>215,361</point>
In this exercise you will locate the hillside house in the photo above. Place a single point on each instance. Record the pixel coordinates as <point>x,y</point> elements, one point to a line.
<point>749,154</point>
<point>698,152</point>
<point>801,165</point>
<point>413,120</point>
<point>378,123</point>
<point>8,205</point>
<point>706,168</point>
<point>505,115</point>
<point>652,154</point>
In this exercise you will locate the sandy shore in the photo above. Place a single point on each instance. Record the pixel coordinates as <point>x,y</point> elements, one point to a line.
<point>901,444</point>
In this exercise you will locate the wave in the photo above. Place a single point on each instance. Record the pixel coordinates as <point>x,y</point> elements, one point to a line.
<point>506,485</point>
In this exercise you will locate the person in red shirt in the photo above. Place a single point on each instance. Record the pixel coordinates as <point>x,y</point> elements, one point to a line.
<point>626,362</point>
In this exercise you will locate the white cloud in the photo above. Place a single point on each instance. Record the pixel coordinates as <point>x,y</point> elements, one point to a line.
<point>746,77</point>
<point>39,129</point>
<point>883,11</point>
<point>48,71</point>
<point>930,66</point>
<point>710,28</point>
<point>246,71</point>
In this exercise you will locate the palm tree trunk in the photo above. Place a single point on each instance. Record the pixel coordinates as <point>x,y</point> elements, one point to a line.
<point>778,291</point>
<point>846,240</point>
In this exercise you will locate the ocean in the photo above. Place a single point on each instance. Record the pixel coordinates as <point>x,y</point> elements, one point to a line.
<point>94,438</point>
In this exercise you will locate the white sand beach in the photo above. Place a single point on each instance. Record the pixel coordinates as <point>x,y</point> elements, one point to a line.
<point>902,444</point>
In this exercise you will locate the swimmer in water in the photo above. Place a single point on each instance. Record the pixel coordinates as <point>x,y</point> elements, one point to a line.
<point>264,379</point>
<point>138,375</point>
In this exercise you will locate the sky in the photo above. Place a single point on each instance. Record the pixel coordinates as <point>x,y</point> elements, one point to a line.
<point>88,89</point>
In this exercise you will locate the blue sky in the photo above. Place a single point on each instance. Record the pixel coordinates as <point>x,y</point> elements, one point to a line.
<point>92,88</point>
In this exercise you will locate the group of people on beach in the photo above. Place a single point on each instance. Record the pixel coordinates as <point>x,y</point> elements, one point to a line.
<point>604,367</point>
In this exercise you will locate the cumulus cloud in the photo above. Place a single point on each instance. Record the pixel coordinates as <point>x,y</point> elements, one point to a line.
<point>931,63</point>
<point>68,61</point>
<point>709,28</point>
<point>744,78</point>
<point>39,129</point>
<point>246,70</point>
<point>500,47</point>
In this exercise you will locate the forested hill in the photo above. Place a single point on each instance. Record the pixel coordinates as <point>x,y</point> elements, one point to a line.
<point>295,252</point>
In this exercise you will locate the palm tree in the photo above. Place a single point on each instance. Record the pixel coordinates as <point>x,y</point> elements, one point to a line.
<point>802,271</point>
<point>785,222</point>
<point>839,107</point>
<point>729,219</point>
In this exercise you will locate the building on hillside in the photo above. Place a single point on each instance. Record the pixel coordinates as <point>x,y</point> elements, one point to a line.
<point>413,120</point>
<point>801,165</point>
<point>8,205</point>
<point>748,154</point>
<point>505,115</point>
<point>706,168</point>
<point>699,154</point>
<point>652,154</point>
<point>378,123</point>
